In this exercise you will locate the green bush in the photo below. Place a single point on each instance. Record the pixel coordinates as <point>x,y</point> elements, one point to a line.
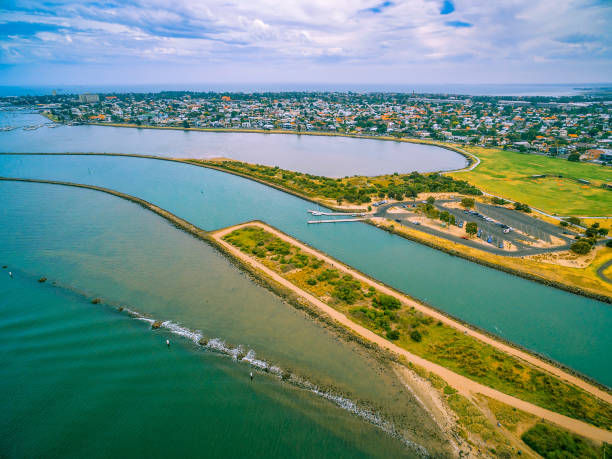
<point>581,247</point>
<point>416,336</point>
<point>347,289</point>
<point>311,281</point>
<point>393,335</point>
<point>609,243</point>
<point>383,301</point>
<point>328,274</point>
<point>554,443</point>
<point>468,203</point>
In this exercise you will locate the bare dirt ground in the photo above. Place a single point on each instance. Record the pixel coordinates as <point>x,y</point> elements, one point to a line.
<point>566,258</point>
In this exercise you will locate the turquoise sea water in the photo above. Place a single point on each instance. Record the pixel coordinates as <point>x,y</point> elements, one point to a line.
<point>85,380</point>
<point>568,328</point>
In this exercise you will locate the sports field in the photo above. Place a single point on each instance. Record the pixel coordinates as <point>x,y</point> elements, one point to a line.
<point>510,175</point>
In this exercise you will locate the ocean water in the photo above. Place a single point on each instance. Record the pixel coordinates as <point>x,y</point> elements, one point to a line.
<point>565,327</point>
<point>68,359</point>
<point>518,89</point>
<point>85,381</point>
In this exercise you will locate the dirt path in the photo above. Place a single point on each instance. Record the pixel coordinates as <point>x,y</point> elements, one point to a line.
<point>463,385</point>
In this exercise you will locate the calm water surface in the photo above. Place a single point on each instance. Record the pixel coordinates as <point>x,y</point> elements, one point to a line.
<point>83,381</point>
<point>331,156</point>
<point>568,328</point>
<point>91,243</point>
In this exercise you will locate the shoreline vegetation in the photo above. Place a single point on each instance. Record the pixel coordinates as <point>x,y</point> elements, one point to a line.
<point>297,300</point>
<point>519,170</point>
<point>399,319</point>
<point>531,270</point>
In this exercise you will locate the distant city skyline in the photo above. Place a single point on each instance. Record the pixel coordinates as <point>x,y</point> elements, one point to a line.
<point>320,42</point>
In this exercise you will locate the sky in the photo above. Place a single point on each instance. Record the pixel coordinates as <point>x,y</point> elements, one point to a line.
<point>65,42</point>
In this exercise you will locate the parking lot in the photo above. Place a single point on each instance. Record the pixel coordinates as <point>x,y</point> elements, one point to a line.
<point>497,228</point>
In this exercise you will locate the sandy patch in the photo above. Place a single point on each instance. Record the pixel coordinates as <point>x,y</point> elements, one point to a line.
<point>566,258</point>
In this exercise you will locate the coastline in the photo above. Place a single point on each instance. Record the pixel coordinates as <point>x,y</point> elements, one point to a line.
<point>464,385</point>
<point>297,299</point>
<point>210,165</point>
<point>507,269</point>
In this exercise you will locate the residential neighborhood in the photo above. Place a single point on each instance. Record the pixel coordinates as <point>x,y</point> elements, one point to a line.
<point>576,127</point>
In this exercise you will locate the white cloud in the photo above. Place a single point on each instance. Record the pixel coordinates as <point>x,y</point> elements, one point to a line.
<point>298,34</point>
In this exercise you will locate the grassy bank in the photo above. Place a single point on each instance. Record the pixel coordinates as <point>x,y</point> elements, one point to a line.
<point>510,175</point>
<point>418,333</point>
<point>356,190</point>
<point>551,442</point>
<point>582,281</point>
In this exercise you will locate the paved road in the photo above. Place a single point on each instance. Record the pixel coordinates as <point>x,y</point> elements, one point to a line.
<point>507,216</point>
<point>602,268</point>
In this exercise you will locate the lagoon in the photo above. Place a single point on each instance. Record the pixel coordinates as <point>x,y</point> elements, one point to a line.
<point>319,155</point>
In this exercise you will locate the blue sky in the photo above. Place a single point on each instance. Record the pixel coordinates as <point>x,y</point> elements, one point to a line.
<point>56,42</point>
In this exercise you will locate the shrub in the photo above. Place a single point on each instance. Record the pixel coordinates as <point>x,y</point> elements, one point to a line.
<point>468,203</point>
<point>552,442</point>
<point>522,207</point>
<point>383,301</point>
<point>581,247</point>
<point>416,336</point>
<point>609,243</point>
<point>328,274</point>
<point>563,223</point>
<point>347,289</point>
<point>311,281</point>
<point>393,335</point>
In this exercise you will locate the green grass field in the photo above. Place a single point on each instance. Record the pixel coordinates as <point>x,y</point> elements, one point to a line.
<point>508,174</point>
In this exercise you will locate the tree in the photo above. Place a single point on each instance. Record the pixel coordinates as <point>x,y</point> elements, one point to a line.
<point>581,247</point>
<point>471,228</point>
<point>416,336</point>
<point>431,200</point>
<point>574,221</point>
<point>602,231</point>
<point>468,203</point>
<point>574,157</point>
<point>185,123</point>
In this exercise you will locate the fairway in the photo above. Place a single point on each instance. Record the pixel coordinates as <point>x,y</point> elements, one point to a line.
<point>509,174</point>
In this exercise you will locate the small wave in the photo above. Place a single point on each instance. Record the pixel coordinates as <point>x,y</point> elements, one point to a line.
<point>240,353</point>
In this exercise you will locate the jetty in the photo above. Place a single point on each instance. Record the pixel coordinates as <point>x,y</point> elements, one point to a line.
<point>317,213</point>
<point>338,220</point>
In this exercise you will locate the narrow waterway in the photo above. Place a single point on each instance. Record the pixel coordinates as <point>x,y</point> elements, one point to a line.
<point>568,328</point>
